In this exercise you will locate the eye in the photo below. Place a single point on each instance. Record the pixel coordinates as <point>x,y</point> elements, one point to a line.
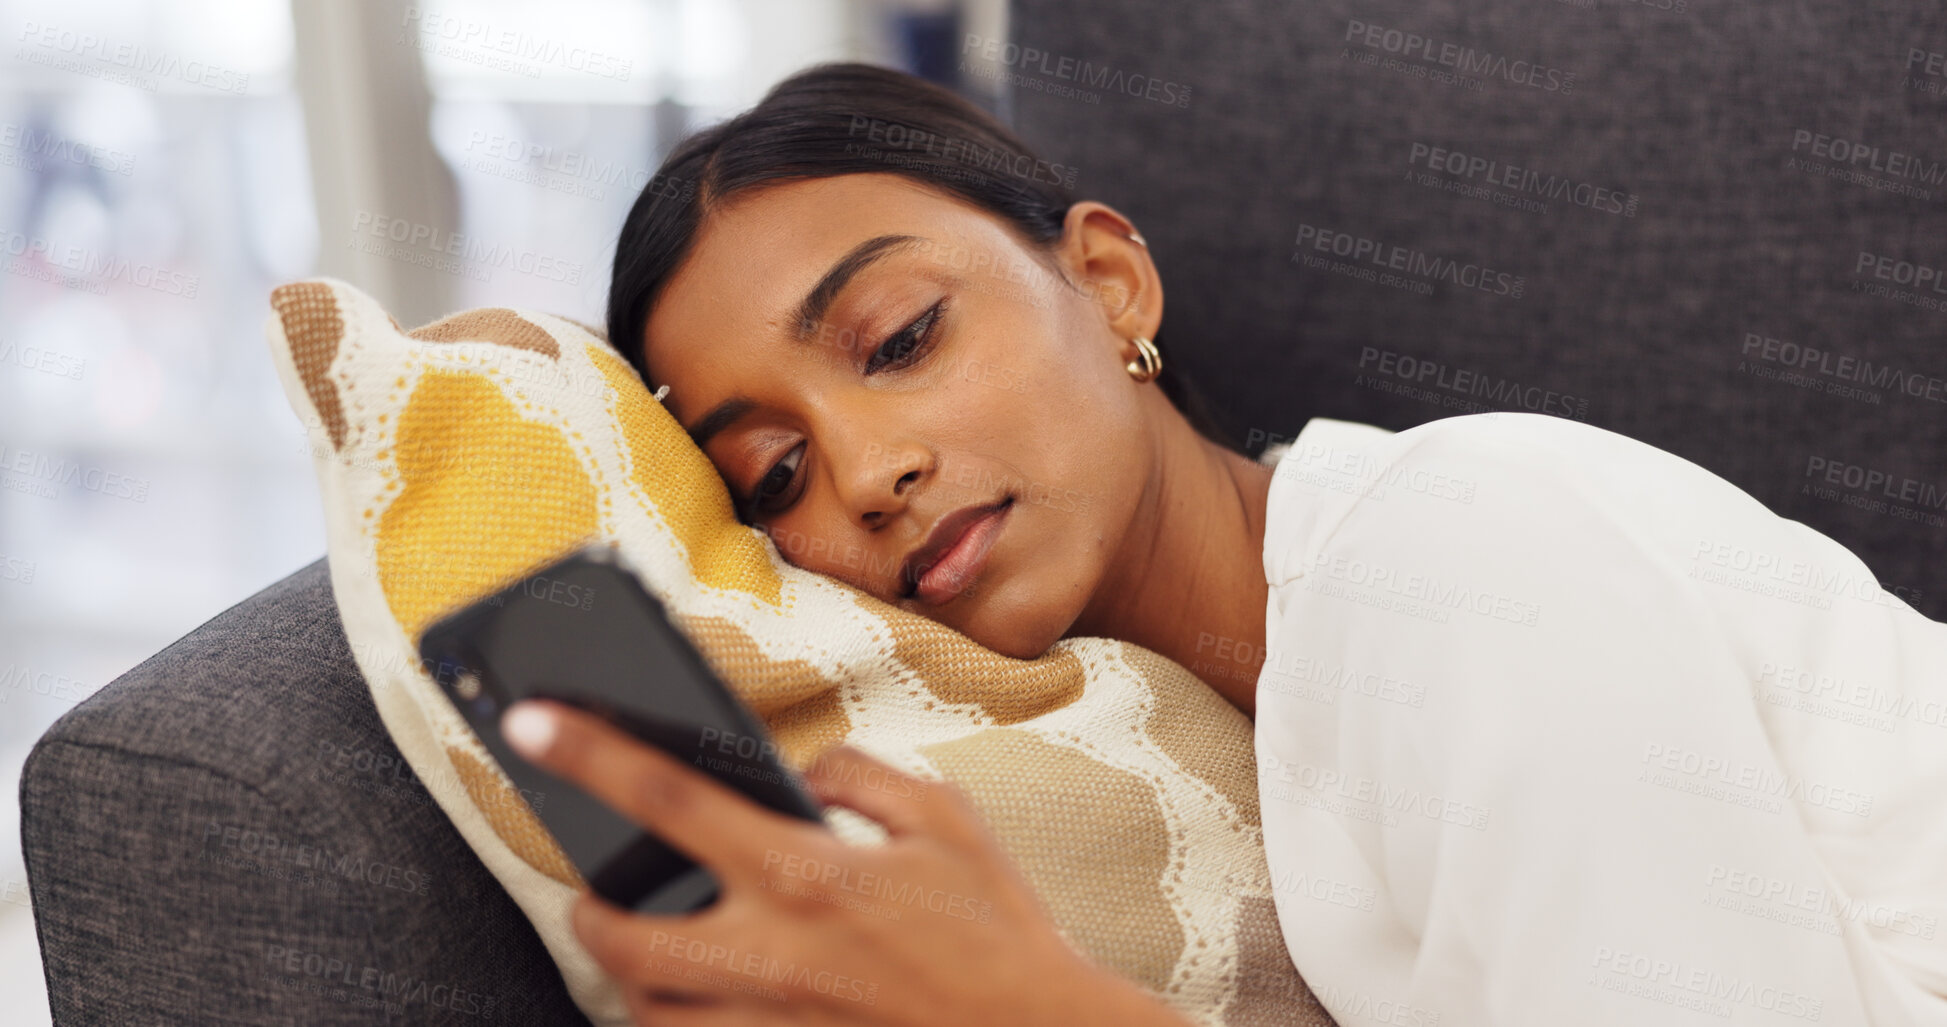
<point>908,344</point>
<point>774,484</point>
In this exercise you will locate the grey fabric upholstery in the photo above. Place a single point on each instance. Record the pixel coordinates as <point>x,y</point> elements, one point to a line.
<point>226,834</point>
<point>1691,106</point>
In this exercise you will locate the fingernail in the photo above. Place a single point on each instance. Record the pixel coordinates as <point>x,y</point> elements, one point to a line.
<point>529,729</point>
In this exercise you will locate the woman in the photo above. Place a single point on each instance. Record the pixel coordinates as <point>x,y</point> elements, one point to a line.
<point>1513,676</point>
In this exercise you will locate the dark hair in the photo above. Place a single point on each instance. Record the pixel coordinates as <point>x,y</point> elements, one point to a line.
<point>809,126</point>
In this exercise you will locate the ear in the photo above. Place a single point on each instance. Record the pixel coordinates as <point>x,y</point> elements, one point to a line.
<point>1113,269</point>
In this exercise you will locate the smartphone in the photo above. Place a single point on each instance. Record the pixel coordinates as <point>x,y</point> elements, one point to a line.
<point>584,632</point>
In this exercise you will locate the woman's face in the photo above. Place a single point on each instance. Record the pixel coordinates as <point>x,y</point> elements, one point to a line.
<point>897,364</point>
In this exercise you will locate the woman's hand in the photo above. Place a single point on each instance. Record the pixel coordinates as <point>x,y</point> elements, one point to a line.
<point>935,927</point>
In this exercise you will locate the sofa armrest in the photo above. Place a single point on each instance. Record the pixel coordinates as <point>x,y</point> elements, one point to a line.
<point>226,834</point>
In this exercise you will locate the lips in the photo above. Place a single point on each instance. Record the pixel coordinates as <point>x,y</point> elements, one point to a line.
<point>974,525</point>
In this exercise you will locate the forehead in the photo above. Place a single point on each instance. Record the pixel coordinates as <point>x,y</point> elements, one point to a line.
<point>755,258</point>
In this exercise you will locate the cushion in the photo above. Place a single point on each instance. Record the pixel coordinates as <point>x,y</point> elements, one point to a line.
<point>457,456</point>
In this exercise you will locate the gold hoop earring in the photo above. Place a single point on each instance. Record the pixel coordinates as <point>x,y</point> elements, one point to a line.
<point>1148,363</point>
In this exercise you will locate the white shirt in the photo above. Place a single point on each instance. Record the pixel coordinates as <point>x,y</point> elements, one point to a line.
<point>1557,728</point>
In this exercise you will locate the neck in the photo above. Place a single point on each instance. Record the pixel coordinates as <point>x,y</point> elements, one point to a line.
<point>1189,581</point>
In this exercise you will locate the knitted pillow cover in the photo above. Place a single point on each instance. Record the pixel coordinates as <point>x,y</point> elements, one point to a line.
<point>455,457</point>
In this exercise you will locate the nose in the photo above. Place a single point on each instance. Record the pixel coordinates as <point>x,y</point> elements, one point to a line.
<point>880,482</point>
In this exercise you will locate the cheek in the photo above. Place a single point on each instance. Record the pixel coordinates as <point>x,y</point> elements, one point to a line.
<point>1079,421</point>
<point>828,547</point>
<point>1030,423</point>
<point>998,400</point>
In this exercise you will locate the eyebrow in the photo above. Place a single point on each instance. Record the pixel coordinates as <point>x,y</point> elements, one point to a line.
<point>816,302</point>
<point>811,311</point>
<point>721,416</point>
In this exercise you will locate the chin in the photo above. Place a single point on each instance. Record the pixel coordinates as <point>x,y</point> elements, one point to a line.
<point>1014,611</point>
<point>1022,632</point>
<point>1025,650</point>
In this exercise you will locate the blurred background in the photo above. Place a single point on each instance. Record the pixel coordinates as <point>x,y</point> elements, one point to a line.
<point>165,163</point>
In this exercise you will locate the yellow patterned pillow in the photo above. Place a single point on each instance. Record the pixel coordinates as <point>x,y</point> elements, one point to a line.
<point>457,456</point>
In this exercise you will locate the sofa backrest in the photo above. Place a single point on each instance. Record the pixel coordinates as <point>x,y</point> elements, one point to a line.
<point>1718,228</point>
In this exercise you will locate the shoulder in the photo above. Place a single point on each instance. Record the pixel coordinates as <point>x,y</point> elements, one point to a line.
<point>1534,444</point>
<point>1526,445</point>
<point>1537,451</point>
<point>1518,476</point>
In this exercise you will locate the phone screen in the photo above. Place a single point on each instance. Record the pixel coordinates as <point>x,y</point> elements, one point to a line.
<point>583,631</point>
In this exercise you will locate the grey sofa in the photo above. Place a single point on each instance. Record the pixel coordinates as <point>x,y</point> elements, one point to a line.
<point>225,834</point>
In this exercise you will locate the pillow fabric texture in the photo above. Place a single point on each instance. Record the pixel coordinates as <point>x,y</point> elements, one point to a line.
<point>456,457</point>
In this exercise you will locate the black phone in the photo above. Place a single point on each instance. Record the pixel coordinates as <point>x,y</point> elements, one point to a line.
<point>584,632</point>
